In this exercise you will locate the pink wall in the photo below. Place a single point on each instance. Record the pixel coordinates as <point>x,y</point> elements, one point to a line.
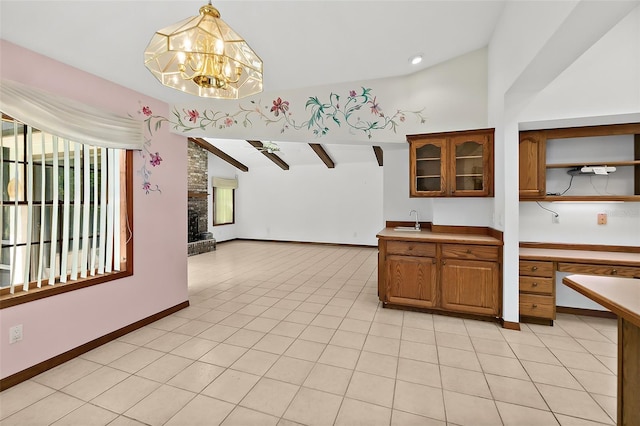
<point>57,324</point>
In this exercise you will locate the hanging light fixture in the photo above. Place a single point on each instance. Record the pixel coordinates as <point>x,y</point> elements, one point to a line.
<point>203,56</point>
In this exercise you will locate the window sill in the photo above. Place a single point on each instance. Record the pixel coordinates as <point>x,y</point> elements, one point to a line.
<point>8,300</point>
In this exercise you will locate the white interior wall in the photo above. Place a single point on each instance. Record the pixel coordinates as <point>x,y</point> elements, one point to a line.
<point>349,204</point>
<point>578,225</point>
<point>311,203</point>
<point>397,203</point>
<point>522,65</point>
<point>220,168</point>
<point>604,83</point>
<point>440,211</point>
<point>455,97</point>
<point>300,210</point>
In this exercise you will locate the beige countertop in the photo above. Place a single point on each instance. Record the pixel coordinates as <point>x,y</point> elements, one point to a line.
<point>427,235</point>
<point>620,295</point>
<point>586,256</point>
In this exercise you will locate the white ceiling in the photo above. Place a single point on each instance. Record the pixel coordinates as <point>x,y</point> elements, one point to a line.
<point>302,43</point>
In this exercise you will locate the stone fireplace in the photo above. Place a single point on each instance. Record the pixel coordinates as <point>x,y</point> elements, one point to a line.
<point>200,240</point>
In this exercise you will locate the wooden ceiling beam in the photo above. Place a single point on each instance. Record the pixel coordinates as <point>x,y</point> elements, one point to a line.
<point>322,153</point>
<point>378,152</point>
<point>271,156</point>
<point>220,154</point>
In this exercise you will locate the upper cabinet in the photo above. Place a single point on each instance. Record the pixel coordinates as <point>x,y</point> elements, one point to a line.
<point>451,164</point>
<point>593,163</point>
<point>532,169</point>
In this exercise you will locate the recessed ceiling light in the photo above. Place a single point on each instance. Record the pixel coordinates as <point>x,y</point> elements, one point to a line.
<point>415,60</point>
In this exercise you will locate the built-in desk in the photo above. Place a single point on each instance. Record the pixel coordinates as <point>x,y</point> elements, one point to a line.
<point>539,262</point>
<point>622,297</point>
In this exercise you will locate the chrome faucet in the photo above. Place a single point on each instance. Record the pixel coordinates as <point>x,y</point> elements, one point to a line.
<point>417,226</point>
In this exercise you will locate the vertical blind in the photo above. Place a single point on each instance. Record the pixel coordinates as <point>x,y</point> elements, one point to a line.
<point>61,211</point>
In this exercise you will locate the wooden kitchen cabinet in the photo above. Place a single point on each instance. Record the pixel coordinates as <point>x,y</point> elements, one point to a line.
<point>470,278</point>
<point>550,159</point>
<point>537,286</point>
<point>451,164</point>
<point>441,276</point>
<point>540,261</point>
<point>470,286</point>
<point>411,273</point>
<point>532,177</point>
<point>411,281</point>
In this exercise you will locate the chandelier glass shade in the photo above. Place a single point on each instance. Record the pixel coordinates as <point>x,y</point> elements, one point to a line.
<point>203,56</point>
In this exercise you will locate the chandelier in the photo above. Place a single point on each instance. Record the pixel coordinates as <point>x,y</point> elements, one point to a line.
<point>203,56</point>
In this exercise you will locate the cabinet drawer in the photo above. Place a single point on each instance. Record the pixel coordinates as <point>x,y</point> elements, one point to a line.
<point>532,305</point>
<point>620,271</point>
<point>461,251</point>
<point>537,285</point>
<point>536,268</point>
<point>411,249</point>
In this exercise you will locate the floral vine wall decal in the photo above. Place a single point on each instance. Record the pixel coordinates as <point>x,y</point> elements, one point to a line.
<point>359,112</point>
<point>153,159</point>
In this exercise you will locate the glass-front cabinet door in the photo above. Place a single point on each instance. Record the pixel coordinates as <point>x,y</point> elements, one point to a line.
<point>451,164</point>
<point>469,165</point>
<point>428,168</point>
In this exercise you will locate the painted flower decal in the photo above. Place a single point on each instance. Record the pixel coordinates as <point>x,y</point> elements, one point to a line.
<point>146,187</point>
<point>375,108</point>
<point>146,111</point>
<point>155,159</point>
<point>279,106</point>
<point>192,115</point>
<point>344,111</point>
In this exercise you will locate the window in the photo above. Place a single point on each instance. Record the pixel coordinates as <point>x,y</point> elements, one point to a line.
<point>65,214</point>
<point>224,200</point>
<point>223,206</point>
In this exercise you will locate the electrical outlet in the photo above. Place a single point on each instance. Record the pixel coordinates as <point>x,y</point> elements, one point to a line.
<point>15,334</point>
<point>555,218</point>
<point>602,218</point>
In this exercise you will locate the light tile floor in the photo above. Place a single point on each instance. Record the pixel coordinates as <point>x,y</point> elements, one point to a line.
<point>287,334</point>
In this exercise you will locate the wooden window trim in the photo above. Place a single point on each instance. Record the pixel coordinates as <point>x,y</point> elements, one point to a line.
<point>213,204</point>
<point>20,296</point>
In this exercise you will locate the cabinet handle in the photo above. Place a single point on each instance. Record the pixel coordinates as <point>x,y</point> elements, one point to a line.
<point>534,284</point>
<point>534,306</point>
<point>444,262</point>
<point>614,272</point>
<point>534,268</point>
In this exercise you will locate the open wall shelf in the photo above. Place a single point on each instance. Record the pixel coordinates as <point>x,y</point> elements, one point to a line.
<point>544,153</point>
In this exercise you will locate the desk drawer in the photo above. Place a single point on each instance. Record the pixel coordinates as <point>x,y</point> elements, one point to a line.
<point>618,271</point>
<point>536,268</point>
<point>532,305</point>
<point>537,285</point>
<point>468,251</point>
<point>405,248</point>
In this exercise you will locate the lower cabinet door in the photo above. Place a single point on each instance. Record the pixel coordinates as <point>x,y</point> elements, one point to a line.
<point>470,286</point>
<point>411,281</point>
